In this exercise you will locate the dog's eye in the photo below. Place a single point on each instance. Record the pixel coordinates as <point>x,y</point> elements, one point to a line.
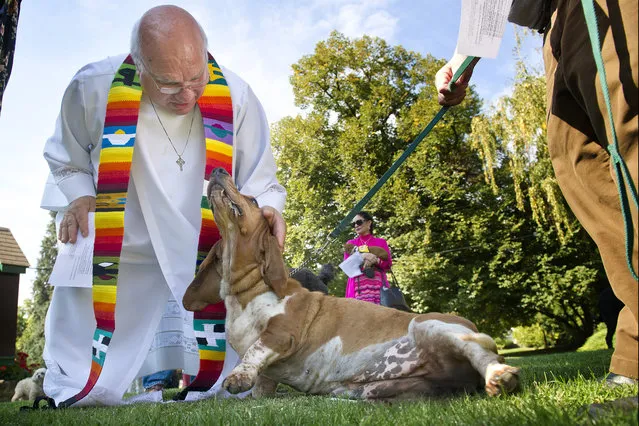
<point>254,201</point>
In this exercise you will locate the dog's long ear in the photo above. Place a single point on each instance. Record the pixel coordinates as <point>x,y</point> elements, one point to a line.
<point>274,271</point>
<point>205,287</point>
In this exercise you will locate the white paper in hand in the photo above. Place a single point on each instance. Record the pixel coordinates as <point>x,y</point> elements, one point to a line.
<point>74,263</point>
<point>351,265</point>
<point>481,27</point>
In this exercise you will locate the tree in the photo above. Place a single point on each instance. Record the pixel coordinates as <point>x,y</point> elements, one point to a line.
<point>22,319</point>
<point>365,101</point>
<point>564,273</point>
<point>32,339</point>
<point>513,135</point>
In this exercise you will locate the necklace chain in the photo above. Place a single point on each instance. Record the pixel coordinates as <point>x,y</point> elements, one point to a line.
<point>180,161</point>
<point>367,241</point>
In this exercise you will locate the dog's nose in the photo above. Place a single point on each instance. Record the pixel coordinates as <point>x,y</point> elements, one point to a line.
<point>219,171</point>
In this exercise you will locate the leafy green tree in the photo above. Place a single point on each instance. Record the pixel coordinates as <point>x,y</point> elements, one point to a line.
<point>364,101</point>
<point>513,135</point>
<point>32,339</point>
<point>22,319</point>
<point>561,271</point>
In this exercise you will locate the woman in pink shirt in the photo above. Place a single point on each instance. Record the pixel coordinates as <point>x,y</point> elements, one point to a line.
<point>368,285</point>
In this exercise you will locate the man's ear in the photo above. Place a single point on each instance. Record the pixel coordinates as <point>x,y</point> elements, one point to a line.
<point>205,287</point>
<point>274,271</point>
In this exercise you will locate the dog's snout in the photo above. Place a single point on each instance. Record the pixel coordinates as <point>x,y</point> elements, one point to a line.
<point>219,171</point>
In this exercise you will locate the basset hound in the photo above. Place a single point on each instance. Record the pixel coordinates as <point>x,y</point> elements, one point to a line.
<point>321,344</point>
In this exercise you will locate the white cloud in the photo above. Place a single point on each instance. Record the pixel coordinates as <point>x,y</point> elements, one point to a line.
<point>354,20</point>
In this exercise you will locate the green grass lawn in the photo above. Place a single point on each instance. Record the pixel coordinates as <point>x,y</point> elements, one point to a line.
<point>555,387</point>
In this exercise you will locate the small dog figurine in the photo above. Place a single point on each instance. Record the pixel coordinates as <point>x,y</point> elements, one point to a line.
<point>367,265</point>
<point>30,388</point>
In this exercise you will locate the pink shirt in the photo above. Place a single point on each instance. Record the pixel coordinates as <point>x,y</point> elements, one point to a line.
<point>384,265</point>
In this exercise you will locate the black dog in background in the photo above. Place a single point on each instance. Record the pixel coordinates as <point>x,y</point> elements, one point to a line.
<point>609,308</point>
<point>313,282</point>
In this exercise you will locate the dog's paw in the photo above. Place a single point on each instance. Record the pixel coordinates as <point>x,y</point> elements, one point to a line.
<point>239,381</point>
<point>501,378</point>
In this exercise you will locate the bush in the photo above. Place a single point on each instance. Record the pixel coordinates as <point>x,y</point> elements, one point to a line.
<point>533,336</point>
<point>505,342</point>
<point>597,341</point>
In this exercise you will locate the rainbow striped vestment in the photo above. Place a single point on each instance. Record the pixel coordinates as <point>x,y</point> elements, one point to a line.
<point>116,154</point>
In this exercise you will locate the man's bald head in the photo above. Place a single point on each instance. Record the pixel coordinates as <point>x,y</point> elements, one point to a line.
<point>166,30</point>
<point>168,47</point>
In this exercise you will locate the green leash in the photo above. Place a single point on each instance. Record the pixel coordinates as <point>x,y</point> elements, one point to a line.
<point>620,167</point>
<point>408,151</point>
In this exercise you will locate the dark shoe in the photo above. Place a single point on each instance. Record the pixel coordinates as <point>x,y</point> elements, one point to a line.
<point>613,380</point>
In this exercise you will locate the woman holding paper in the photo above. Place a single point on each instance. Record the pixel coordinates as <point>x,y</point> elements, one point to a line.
<point>376,260</point>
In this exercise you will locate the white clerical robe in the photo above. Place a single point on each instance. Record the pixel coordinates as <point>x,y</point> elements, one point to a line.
<point>162,224</point>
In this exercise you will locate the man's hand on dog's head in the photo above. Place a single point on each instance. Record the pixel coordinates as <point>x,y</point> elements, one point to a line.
<point>276,223</point>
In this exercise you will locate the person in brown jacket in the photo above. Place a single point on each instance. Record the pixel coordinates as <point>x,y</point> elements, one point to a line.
<point>578,130</point>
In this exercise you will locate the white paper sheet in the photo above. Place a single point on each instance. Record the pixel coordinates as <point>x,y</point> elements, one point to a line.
<point>74,263</point>
<point>351,265</point>
<point>481,27</point>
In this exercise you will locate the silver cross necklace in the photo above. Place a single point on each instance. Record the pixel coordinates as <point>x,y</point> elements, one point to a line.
<point>180,161</point>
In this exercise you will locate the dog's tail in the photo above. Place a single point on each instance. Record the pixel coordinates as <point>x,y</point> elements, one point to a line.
<point>326,273</point>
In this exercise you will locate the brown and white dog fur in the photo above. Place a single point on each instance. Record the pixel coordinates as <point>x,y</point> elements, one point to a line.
<point>320,344</point>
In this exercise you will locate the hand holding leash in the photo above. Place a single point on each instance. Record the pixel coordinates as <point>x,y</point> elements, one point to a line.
<point>451,92</point>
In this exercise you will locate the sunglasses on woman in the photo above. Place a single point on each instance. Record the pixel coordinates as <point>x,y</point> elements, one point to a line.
<point>358,222</point>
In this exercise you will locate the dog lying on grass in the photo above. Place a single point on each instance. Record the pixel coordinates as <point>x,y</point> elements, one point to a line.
<point>30,388</point>
<point>320,344</point>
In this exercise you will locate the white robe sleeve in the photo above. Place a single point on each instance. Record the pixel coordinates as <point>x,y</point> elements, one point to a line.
<point>68,151</point>
<point>71,152</point>
<point>254,164</point>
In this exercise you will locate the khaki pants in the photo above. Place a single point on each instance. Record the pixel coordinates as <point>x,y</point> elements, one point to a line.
<point>578,132</point>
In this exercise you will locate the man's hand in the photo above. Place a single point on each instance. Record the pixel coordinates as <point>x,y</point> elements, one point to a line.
<point>76,217</point>
<point>443,77</point>
<point>277,224</point>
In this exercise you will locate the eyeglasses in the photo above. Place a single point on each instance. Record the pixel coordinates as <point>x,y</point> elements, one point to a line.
<point>174,90</point>
<point>358,222</point>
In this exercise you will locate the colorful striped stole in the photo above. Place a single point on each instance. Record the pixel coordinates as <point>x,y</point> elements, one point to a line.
<point>116,154</point>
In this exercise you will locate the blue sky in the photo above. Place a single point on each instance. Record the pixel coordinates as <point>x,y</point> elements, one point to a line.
<point>259,40</point>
